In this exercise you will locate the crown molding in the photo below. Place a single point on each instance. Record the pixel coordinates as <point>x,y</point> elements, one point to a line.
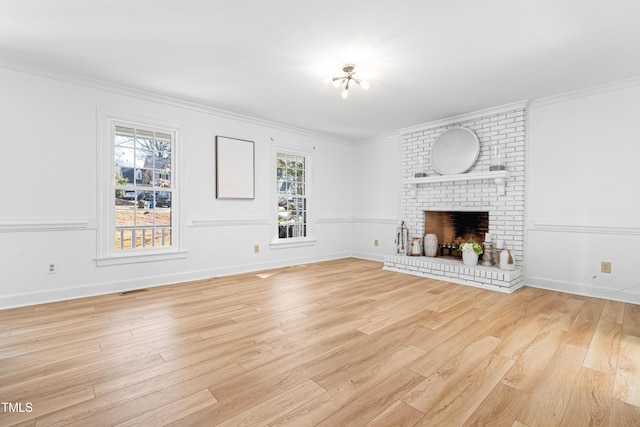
<point>587,92</point>
<point>387,137</point>
<point>146,95</point>
<point>518,105</point>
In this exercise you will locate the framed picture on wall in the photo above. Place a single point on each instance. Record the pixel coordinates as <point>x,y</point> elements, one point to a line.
<point>235,168</point>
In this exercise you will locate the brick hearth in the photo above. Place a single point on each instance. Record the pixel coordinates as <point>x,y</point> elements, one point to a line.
<point>455,271</point>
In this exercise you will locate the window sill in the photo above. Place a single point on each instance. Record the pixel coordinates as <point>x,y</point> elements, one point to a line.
<point>137,258</point>
<point>292,243</point>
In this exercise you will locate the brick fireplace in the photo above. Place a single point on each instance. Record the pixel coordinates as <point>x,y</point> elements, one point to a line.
<point>477,191</point>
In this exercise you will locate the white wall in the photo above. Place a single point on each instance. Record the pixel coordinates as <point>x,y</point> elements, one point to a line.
<point>582,194</point>
<point>49,147</point>
<point>583,198</point>
<point>377,176</point>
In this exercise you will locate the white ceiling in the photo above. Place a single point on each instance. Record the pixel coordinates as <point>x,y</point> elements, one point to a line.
<point>425,59</point>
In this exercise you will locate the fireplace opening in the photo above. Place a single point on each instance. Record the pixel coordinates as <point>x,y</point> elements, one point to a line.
<point>455,227</point>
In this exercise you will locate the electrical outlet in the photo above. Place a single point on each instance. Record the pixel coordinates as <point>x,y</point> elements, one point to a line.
<point>605,267</point>
<point>256,249</point>
<point>375,242</point>
<point>52,267</point>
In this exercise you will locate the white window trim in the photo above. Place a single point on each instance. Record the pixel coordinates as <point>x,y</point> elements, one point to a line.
<point>105,192</point>
<point>291,242</point>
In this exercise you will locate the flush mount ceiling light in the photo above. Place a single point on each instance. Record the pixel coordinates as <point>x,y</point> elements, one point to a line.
<point>347,79</point>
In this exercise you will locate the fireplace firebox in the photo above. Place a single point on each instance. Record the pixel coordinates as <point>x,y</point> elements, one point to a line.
<point>455,227</point>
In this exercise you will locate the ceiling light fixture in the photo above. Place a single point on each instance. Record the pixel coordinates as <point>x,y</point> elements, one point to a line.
<point>347,79</point>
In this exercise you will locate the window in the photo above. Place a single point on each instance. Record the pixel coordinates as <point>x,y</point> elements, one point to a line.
<point>143,188</point>
<point>291,193</point>
<point>138,199</point>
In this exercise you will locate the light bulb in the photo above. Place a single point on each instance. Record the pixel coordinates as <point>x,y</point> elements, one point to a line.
<point>336,83</point>
<point>345,94</point>
<point>364,85</point>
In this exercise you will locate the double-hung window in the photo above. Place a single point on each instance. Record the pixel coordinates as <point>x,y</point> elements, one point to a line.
<point>292,190</point>
<point>143,188</point>
<point>138,198</point>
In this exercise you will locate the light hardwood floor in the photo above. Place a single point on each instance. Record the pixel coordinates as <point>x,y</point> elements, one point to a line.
<point>340,343</point>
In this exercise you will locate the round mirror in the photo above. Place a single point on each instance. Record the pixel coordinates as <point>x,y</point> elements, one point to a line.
<point>455,151</point>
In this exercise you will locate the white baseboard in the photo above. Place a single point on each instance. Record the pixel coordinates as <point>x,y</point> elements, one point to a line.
<point>63,294</point>
<point>368,256</point>
<point>630,295</point>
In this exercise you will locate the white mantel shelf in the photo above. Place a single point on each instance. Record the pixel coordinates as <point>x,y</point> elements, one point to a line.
<point>500,178</point>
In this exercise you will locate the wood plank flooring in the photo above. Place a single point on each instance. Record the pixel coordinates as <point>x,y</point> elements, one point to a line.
<point>339,343</point>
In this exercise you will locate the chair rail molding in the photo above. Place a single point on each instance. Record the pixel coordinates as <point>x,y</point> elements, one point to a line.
<point>46,224</point>
<point>229,221</point>
<point>593,227</point>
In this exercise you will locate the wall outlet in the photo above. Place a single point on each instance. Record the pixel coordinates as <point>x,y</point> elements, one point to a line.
<point>52,267</point>
<point>256,249</point>
<point>605,267</point>
<point>375,242</point>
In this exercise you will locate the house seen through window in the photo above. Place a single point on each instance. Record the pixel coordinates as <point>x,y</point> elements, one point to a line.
<point>143,188</point>
<point>291,189</point>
